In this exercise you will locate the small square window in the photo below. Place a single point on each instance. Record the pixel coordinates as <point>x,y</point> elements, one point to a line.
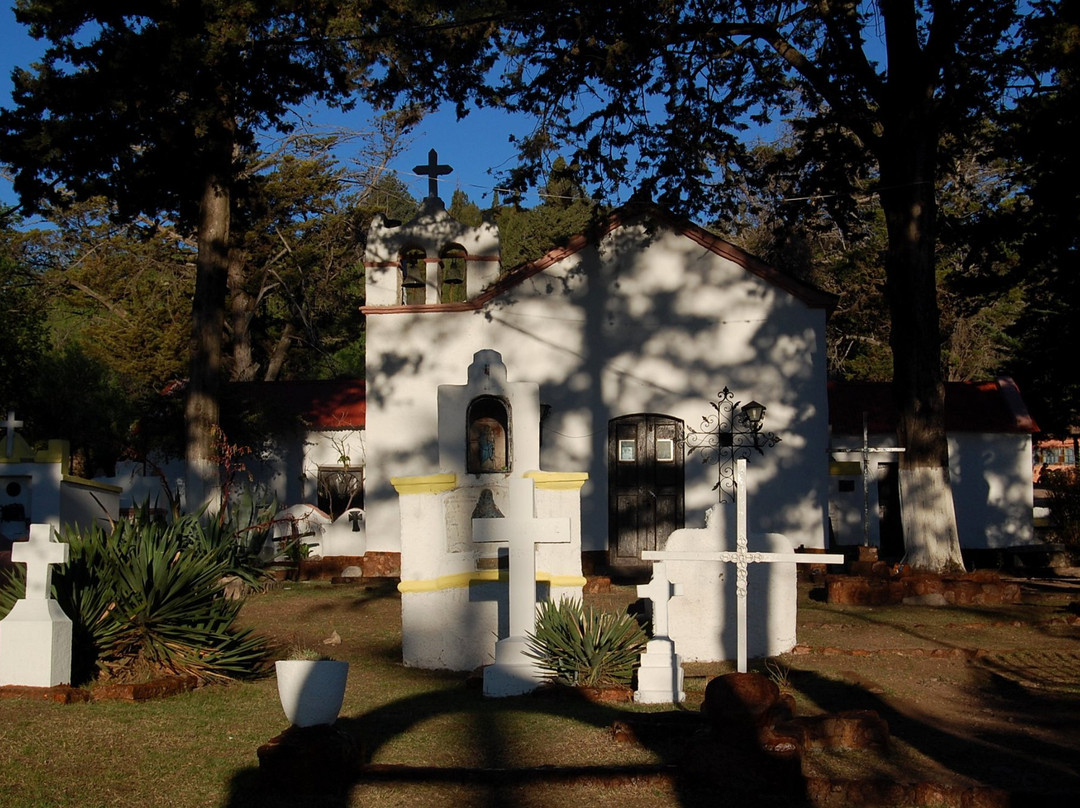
<point>665,450</point>
<point>627,451</point>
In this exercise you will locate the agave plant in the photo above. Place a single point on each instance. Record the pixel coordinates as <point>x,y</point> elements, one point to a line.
<point>146,599</point>
<point>581,646</point>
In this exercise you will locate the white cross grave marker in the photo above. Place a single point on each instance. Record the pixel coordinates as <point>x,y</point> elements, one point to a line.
<point>10,424</point>
<point>866,450</point>
<point>660,674</point>
<point>35,636</point>
<point>660,591</point>
<point>513,672</point>
<point>742,558</point>
<point>39,553</point>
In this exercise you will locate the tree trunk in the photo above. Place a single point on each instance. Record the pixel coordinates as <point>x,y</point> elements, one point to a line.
<point>907,160</point>
<point>277,358</point>
<point>241,312</point>
<point>202,412</point>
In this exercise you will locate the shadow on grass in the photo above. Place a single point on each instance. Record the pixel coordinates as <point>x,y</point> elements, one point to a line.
<point>691,765</point>
<point>1011,760</point>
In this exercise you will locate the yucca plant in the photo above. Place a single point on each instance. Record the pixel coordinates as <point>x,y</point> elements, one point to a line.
<point>581,646</point>
<point>146,600</point>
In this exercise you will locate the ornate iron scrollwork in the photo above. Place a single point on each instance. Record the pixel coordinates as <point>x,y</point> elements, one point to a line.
<point>727,434</point>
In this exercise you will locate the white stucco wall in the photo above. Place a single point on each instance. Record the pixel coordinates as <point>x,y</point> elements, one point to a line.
<point>649,322</point>
<point>992,489</point>
<point>991,477</point>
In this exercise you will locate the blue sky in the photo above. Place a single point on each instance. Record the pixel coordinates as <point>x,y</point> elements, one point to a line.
<point>475,146</point>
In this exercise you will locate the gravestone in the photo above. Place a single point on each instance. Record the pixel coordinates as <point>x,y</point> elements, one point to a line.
<point>35,637</point>
<point>701,621</point>
<point>513,672</point>
<point>455,580</point>
<point>660,673</point>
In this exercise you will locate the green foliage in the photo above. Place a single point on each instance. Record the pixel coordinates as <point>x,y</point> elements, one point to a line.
<point>581,646</point>
<point>147,600</point>
<point>22,326</point>
<point>1063,485</point>
<point>1042,135</point>
<point>566,211</point>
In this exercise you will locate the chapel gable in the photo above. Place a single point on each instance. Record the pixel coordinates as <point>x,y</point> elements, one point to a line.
<point>431,260</point>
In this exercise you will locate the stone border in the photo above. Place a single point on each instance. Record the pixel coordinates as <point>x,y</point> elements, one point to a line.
<point>139,691</point>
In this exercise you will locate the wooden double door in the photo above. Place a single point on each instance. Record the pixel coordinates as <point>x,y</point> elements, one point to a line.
<point>645,486</point>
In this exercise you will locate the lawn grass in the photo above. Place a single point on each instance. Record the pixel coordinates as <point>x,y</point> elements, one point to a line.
<point>442,743</point>
<point>199,748</point>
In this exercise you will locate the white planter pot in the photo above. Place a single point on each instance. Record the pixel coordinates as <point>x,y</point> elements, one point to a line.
<point>311,690</point>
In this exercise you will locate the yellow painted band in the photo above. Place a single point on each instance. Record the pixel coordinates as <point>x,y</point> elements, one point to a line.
<point>558,480</point>
<point>109,487</point>
<point>427,484</point>
<point>463,579</point>
<point>845,468</point>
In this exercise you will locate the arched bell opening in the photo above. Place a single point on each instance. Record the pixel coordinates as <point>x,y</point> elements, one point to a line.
<point>452,274</point>
<point>413,276</point>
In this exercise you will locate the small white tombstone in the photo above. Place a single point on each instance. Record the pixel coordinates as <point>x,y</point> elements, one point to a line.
<point>35,637</point>
<point>513,672</point>
<point>660,674</point>
<point>742,557</point>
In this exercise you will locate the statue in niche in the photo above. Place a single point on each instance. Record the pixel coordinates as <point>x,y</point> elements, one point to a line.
<point>488,436</point>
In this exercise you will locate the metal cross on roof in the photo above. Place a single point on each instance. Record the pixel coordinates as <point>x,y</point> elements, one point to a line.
<point>433,171</point>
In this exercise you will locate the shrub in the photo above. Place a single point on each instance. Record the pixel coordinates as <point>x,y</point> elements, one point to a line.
<point>580,646</point>
<point>1063,487</point>
<point>146,600</point>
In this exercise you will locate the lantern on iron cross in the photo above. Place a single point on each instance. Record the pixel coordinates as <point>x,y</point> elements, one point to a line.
<point>732,431</point>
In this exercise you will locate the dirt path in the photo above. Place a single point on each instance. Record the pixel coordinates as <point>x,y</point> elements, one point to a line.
<point>972,696</point>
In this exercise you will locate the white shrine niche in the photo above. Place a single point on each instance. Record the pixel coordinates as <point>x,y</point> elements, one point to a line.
<point>454,590</point>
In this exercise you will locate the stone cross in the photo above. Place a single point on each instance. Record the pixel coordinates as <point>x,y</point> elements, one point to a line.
<point>432,170</point>
<point>39,553</point>
<point>523,531</point>
<point>660,591</point>
<point>11,425</point>
<point>866,450</point>
<point>741,558</point>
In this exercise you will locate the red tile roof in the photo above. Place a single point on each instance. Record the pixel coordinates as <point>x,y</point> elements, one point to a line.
<point>320,404</point>
<point>994,406</point>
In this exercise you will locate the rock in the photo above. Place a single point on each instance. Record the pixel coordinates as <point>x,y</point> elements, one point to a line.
<point>233,588</point>
<point>854,729</point>
<point>738,705</point>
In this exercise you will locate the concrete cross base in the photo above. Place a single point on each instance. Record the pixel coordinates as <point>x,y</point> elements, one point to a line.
<point>35,645</point>
<point>513,673</point>
<point>660,676</point>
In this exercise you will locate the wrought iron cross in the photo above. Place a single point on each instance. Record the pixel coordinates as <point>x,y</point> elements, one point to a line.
<point>433,171</point>
<point>727,435</point>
